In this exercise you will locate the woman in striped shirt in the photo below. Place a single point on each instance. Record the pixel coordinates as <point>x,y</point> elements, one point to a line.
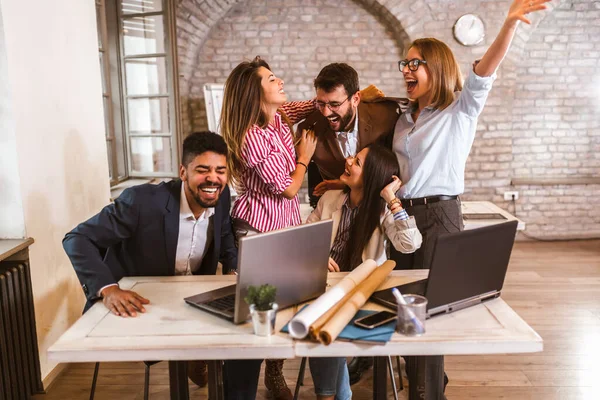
<point>266,168</point>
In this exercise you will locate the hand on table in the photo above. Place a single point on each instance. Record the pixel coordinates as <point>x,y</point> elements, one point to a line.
<point>124,303</point>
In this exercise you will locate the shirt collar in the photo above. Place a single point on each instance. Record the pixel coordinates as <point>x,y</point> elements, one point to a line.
<point>346,203</point>
<point>354,130</point>
<point>185,212</point>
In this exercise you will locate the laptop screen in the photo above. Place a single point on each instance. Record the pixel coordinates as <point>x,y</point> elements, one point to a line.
<point>469,263</point>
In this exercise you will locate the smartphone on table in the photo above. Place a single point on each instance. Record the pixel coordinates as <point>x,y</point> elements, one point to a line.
<point>375,320</point>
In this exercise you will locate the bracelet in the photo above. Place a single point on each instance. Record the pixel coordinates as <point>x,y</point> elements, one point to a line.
<point>304,165</point>
<point>396,208</point>
<point>395,200</point>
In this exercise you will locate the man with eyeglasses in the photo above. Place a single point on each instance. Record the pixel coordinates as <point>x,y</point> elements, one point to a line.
<point>343,126</point>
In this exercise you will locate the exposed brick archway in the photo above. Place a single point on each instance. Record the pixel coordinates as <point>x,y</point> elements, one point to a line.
<point>196,19</point>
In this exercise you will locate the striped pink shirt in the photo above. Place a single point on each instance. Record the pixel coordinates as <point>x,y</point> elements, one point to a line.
<point>269,157</point>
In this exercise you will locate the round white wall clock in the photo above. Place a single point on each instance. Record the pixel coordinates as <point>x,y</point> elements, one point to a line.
<point>469,30</point>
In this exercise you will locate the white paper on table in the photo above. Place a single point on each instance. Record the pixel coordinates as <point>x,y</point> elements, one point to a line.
<point>300,324</point>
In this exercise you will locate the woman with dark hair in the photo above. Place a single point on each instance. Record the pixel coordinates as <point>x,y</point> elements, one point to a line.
<point>361,222</point>
<point>365,216</point>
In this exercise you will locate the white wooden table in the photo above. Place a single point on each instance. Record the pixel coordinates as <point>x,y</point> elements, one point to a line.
<point>172,330</point>
<point>486,207</point>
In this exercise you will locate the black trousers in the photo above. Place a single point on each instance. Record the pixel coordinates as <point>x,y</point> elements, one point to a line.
<point>432,220</point>
<point>240,379</point>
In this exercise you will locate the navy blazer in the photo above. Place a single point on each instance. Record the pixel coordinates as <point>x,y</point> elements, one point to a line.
<point>137,236</point>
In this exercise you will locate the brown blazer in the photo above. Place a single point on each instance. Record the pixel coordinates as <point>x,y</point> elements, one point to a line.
<point>376,121</point>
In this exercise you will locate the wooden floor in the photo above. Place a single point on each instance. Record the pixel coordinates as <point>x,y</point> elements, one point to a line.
<point>554,286</point>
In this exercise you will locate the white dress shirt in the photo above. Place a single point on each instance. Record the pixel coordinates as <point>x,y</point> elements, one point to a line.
<point>348,141</point>
<point>194,237</point>
<point>432,152</point>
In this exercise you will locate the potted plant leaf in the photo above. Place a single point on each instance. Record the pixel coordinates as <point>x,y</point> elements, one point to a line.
<point>263,308</point>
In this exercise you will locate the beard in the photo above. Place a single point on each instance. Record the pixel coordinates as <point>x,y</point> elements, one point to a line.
<point>205,203</point>
<point>345,120</point>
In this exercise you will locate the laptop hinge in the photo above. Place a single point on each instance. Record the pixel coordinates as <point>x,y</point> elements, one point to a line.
<point>458,305</point>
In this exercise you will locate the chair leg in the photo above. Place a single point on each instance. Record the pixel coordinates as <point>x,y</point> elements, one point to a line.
<point>300,380</point>
<point>94,379</point>
<point>302,371</point>
<point>146,382</point>
<point>392,378</point>
<point>399,373</point>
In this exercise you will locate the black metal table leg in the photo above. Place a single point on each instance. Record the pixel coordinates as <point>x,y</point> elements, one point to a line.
<point>425,377</point>
<point>215,380</point>
<point>178,380</point>
<point>380,370</point>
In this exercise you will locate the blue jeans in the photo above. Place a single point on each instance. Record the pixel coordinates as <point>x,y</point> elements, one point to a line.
<point>330,377</point>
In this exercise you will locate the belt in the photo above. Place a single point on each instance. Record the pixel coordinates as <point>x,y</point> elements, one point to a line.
<point>425,200</point>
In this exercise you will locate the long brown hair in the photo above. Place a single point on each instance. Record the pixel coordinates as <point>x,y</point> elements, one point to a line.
<point>380,164</point>
<point>444,71</point>
<point>242,108</point>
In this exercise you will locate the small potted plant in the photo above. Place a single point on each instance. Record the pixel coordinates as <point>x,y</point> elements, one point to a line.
<point>263,308</point>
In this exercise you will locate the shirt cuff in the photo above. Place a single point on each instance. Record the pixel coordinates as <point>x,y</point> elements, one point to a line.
<point>401,215</point>
<point>477,83</point>
<point>99,294</point>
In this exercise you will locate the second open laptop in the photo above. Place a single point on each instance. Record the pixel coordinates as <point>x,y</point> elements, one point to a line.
<point>467,268</point>
<point>294,260</point>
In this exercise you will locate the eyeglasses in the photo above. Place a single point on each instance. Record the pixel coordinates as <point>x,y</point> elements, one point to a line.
<point>333,105</point>
<point>413,64</point>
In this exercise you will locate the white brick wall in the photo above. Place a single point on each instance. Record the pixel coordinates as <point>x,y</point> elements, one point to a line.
<point>542,117</point>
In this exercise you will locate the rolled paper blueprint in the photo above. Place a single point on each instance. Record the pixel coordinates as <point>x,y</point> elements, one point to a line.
<point>300,324</point>
<point>338,322</point>
<point>316,326</point>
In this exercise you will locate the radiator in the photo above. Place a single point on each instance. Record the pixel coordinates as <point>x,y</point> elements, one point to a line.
<point>20,375</point>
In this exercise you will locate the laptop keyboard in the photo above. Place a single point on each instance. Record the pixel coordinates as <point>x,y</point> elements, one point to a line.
<point>226,303</point>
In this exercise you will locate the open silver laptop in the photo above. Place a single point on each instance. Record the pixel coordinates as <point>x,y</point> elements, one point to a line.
<point>294,260</point>
<point>467,268</point>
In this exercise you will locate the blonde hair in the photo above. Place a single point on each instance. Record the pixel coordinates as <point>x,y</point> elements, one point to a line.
<point>444,71</point>
<point>242,108</point>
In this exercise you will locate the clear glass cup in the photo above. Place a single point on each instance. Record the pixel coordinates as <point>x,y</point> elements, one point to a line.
<point>411,317</point>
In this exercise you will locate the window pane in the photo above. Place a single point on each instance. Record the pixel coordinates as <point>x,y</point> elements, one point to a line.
<point>148,115</point>
<point>146,76</point>
<point>150,154</point>
<point>140,6</point>
<point>103,73</point>
<point>99,11</point>
<point>110,164</point>
<point>107,127</point>
<point>143,35</point>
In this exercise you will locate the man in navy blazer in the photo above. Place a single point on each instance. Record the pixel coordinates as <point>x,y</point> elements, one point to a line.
<point>139,234</point>
<point>179,227</point>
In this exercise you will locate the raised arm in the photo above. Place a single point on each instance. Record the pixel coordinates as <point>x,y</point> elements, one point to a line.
<point>497,51</point>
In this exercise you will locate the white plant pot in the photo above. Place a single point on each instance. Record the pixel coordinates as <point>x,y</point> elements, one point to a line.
<point>263,321</point>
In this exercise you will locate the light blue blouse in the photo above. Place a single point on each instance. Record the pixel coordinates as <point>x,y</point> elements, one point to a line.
<point>433,152</point>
